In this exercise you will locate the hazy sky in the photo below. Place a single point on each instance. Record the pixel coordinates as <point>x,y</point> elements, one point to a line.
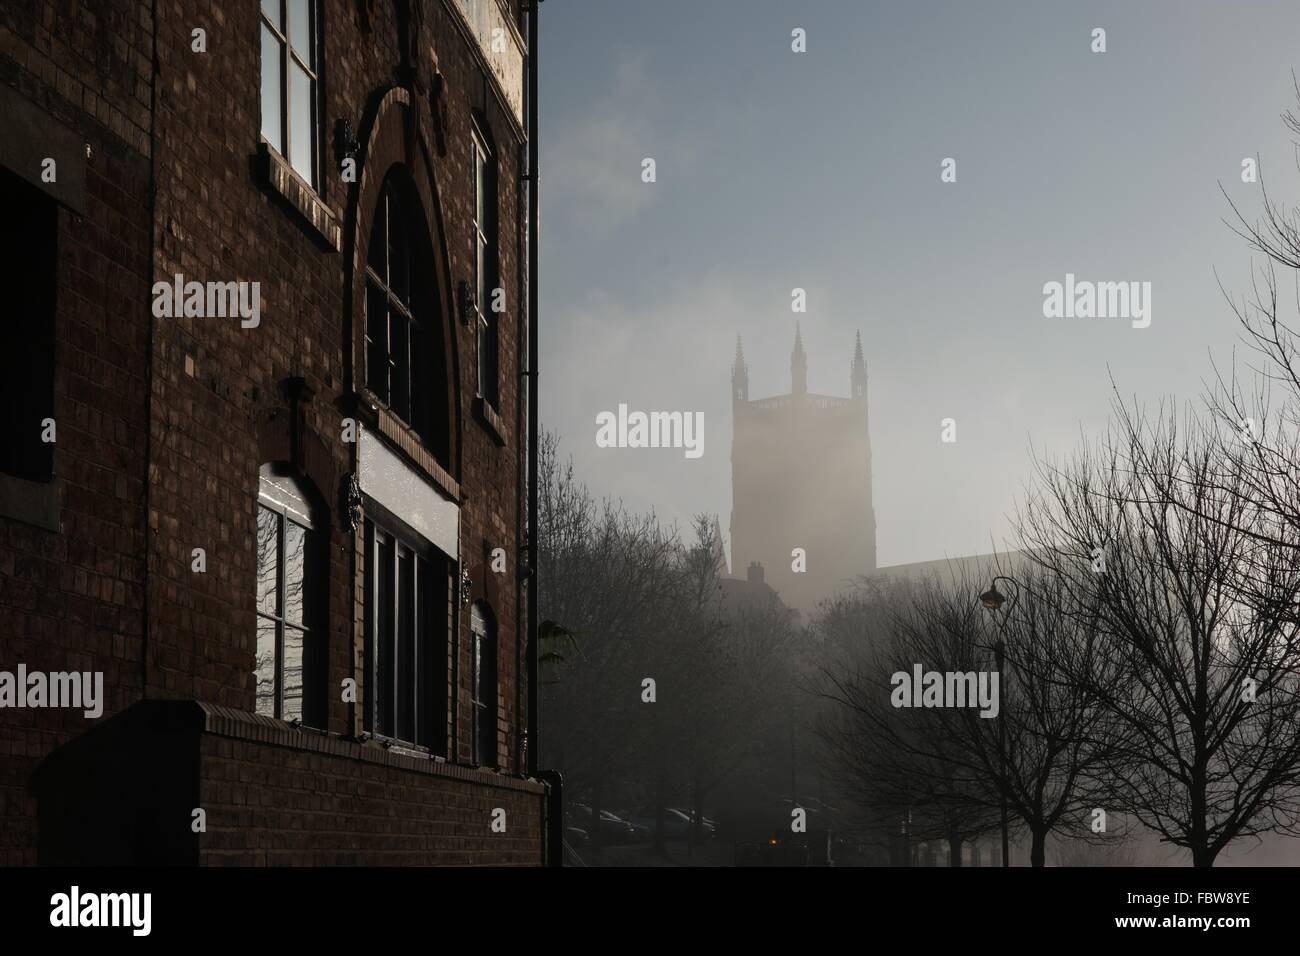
<point>821,170</point>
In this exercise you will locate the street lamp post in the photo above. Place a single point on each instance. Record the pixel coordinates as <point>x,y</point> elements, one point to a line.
<point>993,601</point>
<point>999,650</point>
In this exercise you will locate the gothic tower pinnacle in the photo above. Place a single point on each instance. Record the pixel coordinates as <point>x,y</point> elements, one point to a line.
<point>858,373</point>
<point>739,376</point>
<point>798,365</point>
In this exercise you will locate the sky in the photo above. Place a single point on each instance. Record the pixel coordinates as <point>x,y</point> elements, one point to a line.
<point>820,170</point>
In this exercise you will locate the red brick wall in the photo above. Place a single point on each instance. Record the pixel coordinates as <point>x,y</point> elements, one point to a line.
<point>216,220</point>
<point>74,600</point>
<point>218,410</point>
<point>275,806</point>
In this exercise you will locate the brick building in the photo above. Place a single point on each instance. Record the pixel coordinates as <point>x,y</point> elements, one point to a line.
<point>264,466</point>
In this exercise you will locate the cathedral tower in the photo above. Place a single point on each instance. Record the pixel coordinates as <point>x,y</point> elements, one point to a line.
<point>801,478</point>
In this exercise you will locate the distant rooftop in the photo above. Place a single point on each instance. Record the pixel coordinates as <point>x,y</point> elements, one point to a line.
<point>753,593</point>
<point>955,568</point>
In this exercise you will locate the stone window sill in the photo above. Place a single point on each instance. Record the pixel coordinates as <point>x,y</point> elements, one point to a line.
<point>408,442</point>
<point>255,728</point>
<point>294,190</point>
<point>31,502</point>
<point>490,420</point>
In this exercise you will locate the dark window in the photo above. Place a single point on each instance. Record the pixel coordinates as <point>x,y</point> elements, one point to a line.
<point>290,594</point>
<point>289,83</point>
<point>27,360</point>
<point>405,363</point>
<point>406,622</point>
<point>485,270</point>
<point>483,686</point>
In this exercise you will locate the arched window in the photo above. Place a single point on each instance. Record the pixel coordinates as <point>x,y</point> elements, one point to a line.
<point>406,365</point>
<point>291,593</point>
<point>483,687</point>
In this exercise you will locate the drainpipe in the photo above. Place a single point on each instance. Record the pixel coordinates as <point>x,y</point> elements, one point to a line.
<point>553,837</point>
<point>533,187</point>
<point>150,539</point>
<point>521,566</point>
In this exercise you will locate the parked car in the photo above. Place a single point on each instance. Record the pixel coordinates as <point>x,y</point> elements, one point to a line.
<point>676,826</point>
<point>613,829</point>
<point>709,828</point>
<point>639,833</point>
<point>677,823</point>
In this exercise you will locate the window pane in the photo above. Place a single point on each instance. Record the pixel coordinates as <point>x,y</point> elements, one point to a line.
<point>371,608</point>
<point>481,267</point>
<point>426,690</point>
<point>406,647</point>
<point>264,667</point>
<point>420,372</point>
<point>384,624</point>
<point>400,401</point>
<point>377,346</point>
<point>300,30</point>
<point>301,123</point>
<point>295,568</point>
<point>399,268</point>
<point>476,705</point>
<point>437,631</point>
<point>488,690</point>
<point>377,253</point>
<point>480,188</point>
<point>483,687</point>
<point>271,52</point>
<point>476,686</point>
<point>268,548</point>
<point>294,646</point>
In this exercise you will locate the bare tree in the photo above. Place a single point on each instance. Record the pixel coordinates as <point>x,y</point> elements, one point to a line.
<point>643,606</point>
<point>1255,410</point>
<point>603,573</point>
<point>950,768</point>
<point>1155,545</point>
